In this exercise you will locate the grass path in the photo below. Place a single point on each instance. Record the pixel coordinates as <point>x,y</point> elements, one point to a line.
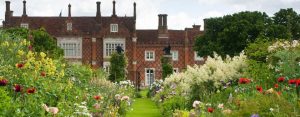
<point>144,107</point>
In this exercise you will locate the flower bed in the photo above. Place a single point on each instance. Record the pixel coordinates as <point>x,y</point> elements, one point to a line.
<point>32,84</point>
<point>236,86</point>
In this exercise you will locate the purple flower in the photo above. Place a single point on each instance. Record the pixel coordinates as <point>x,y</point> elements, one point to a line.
<point>254,115</point>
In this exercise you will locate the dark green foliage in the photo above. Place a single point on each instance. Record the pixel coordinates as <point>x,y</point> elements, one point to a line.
<point>167,68</point>
<point>117,67</point>
<point>290,20</point>
<point>230,34</point>
<point>41,41</point>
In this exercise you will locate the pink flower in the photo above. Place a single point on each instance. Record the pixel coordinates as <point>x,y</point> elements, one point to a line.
<point>125,98</point>
<point>196,103</point>
<point>96,106</point>
<point>52,110</point>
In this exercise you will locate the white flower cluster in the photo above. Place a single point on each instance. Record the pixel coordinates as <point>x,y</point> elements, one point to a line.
<point>286,45</point>
<point>126,83</point>
<point>156,84</point>
<point>82,110</point>
<point>215,69</point>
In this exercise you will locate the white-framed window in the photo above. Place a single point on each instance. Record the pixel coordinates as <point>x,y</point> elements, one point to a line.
<point>110,46</point>
<point>69,26</point>
<point>174,55</point>
<point>149,76</point>
<point>197,57</point>
<point>113,27</point>
<point>149,55</point>
<point>72,46</point>
<point>175,70</point>
<point>106,66</point>
<point>24,25</point>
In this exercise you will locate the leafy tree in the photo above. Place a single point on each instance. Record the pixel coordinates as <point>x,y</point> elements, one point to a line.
<point>289,19</point>
<point>230,34</point>
<point>41,41</point>
<point>167,68</point>
<point>117,67</point>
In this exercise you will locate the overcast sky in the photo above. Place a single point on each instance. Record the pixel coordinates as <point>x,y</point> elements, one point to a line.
<point>181,13</point>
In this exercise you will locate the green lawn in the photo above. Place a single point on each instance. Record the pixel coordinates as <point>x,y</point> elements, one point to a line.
<point>144,107</point>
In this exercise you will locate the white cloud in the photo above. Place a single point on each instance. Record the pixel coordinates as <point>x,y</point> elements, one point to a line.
<point>180,14</point>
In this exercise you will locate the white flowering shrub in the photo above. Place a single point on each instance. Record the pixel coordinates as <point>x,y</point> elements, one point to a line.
<point>200,81</point>
<point>283,45</point>
<point>215,69</point>
<point>284,58</point>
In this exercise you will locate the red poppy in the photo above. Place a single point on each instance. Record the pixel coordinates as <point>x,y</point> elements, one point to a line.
<point>3,82</point>
<point>292,81</point>
<point>17,88</point>
<point>298,82</point>
<point>259,88</point>
<point>244,81</point>
<point>19,65</point>
<point>279,93</point>
<point>97,97</point>
<point>43,74</point>
<point>281,79</point>
<point>209,109</point>
<point>276,86</point>
<point>30,90</point>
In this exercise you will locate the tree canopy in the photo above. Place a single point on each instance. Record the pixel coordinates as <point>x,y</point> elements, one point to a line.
<point>230,34</point>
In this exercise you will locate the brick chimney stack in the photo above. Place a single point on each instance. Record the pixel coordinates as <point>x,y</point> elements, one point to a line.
<point>8,13</point>
<point>134,10</point>
<point>24,9</point>
<point>69,15</point>
<point>98,14</point>
<point>114,8</point>
<point>162,26</point>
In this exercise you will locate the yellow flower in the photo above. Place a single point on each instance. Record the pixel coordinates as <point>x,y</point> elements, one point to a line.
<point>5,44</point>
<point>20,52</point>
<point>43,55</point>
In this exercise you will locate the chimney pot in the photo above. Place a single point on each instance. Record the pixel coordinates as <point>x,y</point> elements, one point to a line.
<point>134,10</point>
<point>98,14</point>
<point>24,8</point>
<point>69,15</point>
<point>114,8</point>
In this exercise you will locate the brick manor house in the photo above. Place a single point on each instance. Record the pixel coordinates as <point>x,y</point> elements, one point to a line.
<point>92,39</point>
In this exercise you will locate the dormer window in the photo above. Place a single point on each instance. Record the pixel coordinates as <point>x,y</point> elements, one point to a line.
<point>113,27</point>
<point>24,25</point>
<point>69,26</point>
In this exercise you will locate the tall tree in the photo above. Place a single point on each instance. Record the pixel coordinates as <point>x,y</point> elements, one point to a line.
<point>117,69</point>
<point>290,20</point>
<point>230,34</point>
